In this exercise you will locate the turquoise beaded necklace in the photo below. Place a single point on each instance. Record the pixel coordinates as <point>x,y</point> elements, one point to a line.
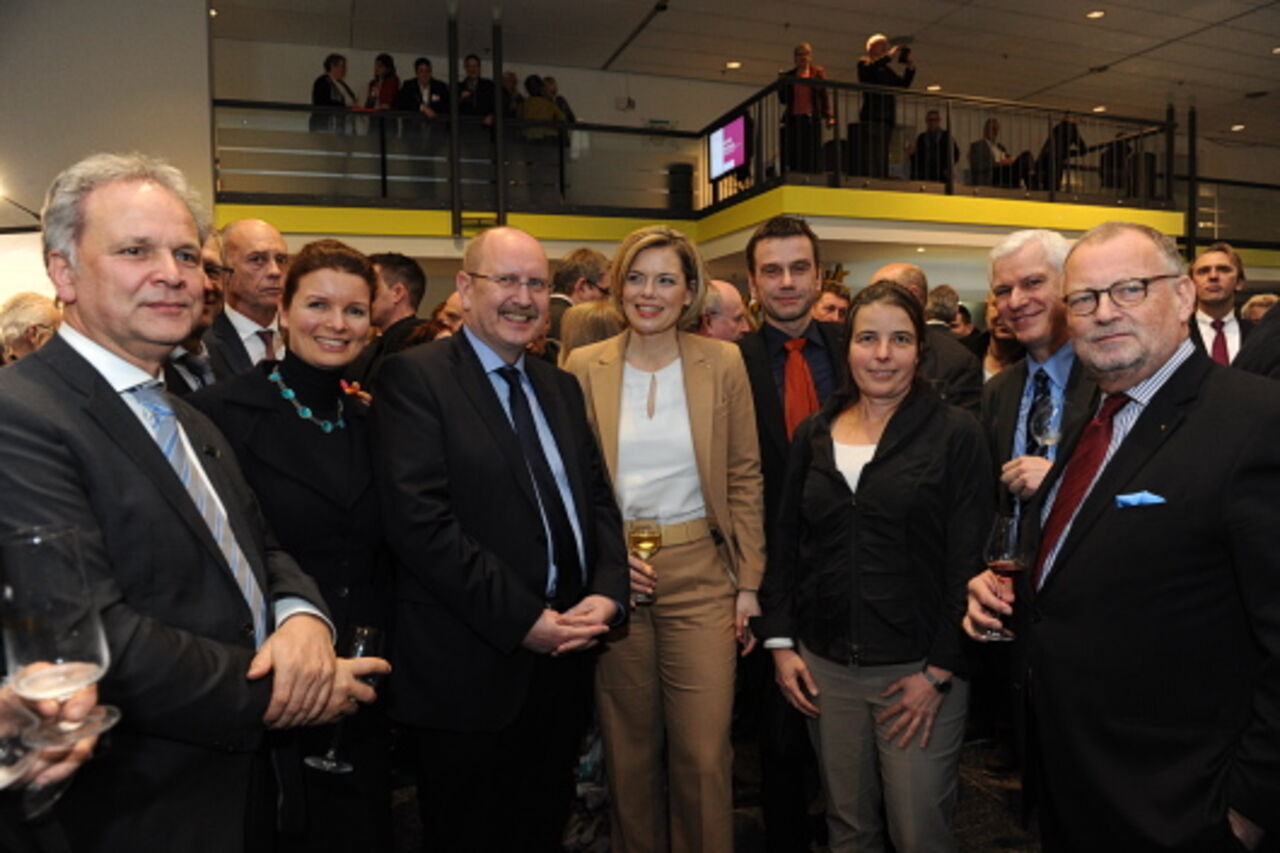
<point>303,411</point>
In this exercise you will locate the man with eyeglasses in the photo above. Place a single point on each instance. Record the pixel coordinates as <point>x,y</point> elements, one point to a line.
<point>1149,612</point>
<point>509,558</point>
<point>189,368</point>
<point>581,276</point>
<point>248,331</point>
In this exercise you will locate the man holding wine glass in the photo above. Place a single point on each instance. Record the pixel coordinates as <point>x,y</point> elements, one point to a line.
<point>1026,408</point>
<point>1149,622</point>
<point>214,634</point>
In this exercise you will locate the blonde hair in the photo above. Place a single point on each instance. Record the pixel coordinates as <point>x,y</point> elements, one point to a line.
<point>659,237</point>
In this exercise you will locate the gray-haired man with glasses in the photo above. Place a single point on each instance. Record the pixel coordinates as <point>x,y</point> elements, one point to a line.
<point>1149,614</point>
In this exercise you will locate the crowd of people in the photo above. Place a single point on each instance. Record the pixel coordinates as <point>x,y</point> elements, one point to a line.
<point>476,96</point>
<point>781,501</point>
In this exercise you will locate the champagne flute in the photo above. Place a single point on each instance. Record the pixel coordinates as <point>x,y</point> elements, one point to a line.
<point>644,538</point>
<point>53,638</point>
<point>365,641</point>
<point>1046,424</point>
<point>1006,559</point>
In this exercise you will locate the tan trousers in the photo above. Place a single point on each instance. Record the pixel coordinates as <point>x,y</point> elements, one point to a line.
<point>664,688</point>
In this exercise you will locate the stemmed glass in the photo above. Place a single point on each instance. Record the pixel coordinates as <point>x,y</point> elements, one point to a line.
<point>53,639</point>
<point>1005,558</point>
<point>15,755</point>
<point>1046,423</point>
<point>644,538</point>
<point>365,641</point>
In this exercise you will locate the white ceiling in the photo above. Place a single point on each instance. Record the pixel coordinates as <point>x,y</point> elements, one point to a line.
<point>1213,53</point>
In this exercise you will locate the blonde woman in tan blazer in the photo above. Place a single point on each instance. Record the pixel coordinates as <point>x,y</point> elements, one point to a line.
<point>674,415</point>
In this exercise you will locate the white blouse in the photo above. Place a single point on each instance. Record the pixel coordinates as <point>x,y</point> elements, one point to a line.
<point>657,469</point>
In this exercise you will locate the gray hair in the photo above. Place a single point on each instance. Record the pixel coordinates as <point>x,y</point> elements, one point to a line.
<point>23,310</point>
<point>1164,245</point>
<point>63,213</point>
<point>1053,244</point>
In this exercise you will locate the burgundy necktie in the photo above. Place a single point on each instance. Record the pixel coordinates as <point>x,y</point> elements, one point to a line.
<point>1219,351</point>
<point>799,396</point>
<point>1078,476</point>
<point>268,341</point>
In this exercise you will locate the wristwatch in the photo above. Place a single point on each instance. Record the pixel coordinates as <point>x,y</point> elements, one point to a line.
<point>940,685</point>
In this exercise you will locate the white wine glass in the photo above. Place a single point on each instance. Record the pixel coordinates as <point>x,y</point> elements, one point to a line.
<point>53,639</point>
<point>1046,424</point>
<point>644,539</point>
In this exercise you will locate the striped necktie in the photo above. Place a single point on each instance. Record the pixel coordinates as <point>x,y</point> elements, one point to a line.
<point>164,429</point>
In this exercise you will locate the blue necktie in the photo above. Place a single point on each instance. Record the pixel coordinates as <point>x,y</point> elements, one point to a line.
<point>164,429</point>
<point>564,545</point>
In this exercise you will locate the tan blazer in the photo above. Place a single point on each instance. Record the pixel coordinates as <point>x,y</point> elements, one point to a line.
<point>722,419</point>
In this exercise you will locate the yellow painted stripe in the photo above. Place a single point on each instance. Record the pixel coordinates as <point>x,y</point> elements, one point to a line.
<point>1255,257</point>
<point>804,201</point>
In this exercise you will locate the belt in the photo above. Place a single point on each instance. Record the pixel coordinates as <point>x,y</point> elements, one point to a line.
<point>689,531</point>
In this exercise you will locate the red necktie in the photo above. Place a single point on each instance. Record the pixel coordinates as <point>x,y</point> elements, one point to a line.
<point>1219,351</point>
<point>799,396</point>
<point>1076,479</point>
<point>268,336</point>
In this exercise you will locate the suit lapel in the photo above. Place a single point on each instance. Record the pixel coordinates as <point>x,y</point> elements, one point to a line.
<point>605,375</point>
<point>1081,399</point>
<point>1007,416</point>
<point>478,388</point>
<point>755,353</point>
<point>1161,418</point>
<point>700,398</point>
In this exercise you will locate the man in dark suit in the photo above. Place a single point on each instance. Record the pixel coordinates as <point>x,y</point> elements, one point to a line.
<point>423,94</point>
<point>1026,284</point>
<point>581,276</point>
<point>1215,327</point>
<point>510,560</point>
<point>246,332</point>
<point>953,371</point>
<point>401,286</point>
<point>1261,354</point>
<point>197,603</point>
<point>934,152</point>
<point>476,95</point>
<point>990,163</point>
<point>189,367</point>
<point>785,276</point>
<point>1148,620</point>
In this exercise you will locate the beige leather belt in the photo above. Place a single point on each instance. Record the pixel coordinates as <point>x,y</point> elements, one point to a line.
<point>681,534</point>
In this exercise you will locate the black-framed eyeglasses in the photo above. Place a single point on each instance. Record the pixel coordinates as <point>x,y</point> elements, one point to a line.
<point>1125,293</point>
<point>512,282</point>
<point>217,271</point>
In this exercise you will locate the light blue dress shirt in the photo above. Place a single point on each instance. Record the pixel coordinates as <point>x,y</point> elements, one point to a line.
<point>1058,367</point>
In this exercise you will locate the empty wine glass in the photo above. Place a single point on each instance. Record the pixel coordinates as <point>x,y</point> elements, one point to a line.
<point>1046,423</point>
<point>53,639</point>
<point>365,641</point>
<point>1006,558</point>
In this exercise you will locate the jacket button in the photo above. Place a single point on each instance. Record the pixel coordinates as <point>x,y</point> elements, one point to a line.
<point>247,631</point>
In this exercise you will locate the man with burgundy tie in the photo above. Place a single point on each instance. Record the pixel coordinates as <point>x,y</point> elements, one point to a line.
<point>510,560</point>
<point>247,331</point>
<point>1149,618</point>
<point>1216,327</point>
<point>794,363</point>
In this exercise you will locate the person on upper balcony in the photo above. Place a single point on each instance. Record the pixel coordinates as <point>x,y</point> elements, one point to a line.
<point>476,96</point>
<point>878,108</point>
<point>330,89</point>
<point>990,164</point>
<point>805,110</point>
<point>385,84</point>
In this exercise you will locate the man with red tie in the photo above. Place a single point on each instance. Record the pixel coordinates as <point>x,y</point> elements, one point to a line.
<point>794,363</point>
<point>1149,618</point>
<point>1215,327</point>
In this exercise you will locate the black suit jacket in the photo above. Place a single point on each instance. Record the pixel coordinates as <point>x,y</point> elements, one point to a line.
<point>409,98</point>
<point>1152,651</point>
<point>326,519</point>
<point>771,424</point>
<point>1261,354</point>
<point>178,628</point>
<point>462,519</point>
<point>393,339</point>
<point>1193,332</point>
<point>1001,397</point>
<point>953,371</point>
<point>226,351</point>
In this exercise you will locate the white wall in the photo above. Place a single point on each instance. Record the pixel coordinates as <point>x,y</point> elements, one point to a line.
<point>264,71</point>
<point>21,265</point>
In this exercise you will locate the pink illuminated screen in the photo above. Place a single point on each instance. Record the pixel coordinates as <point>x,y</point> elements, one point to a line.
<point>729,147</point>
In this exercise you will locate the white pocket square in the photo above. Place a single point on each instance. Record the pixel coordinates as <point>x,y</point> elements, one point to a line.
<point>1138,499</point>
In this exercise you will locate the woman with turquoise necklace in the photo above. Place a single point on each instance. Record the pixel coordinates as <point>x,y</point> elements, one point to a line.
<point>303,444</point>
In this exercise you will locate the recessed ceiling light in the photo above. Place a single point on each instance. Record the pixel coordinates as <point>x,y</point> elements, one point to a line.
<point>933,87</point>
<point>919,248</point>
<point>733,64</point>
<point>1275,50</point>
<point>1236,128</point>
<point>213,13</point>
<point>1100,108</point>
<point>1095,14</point>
